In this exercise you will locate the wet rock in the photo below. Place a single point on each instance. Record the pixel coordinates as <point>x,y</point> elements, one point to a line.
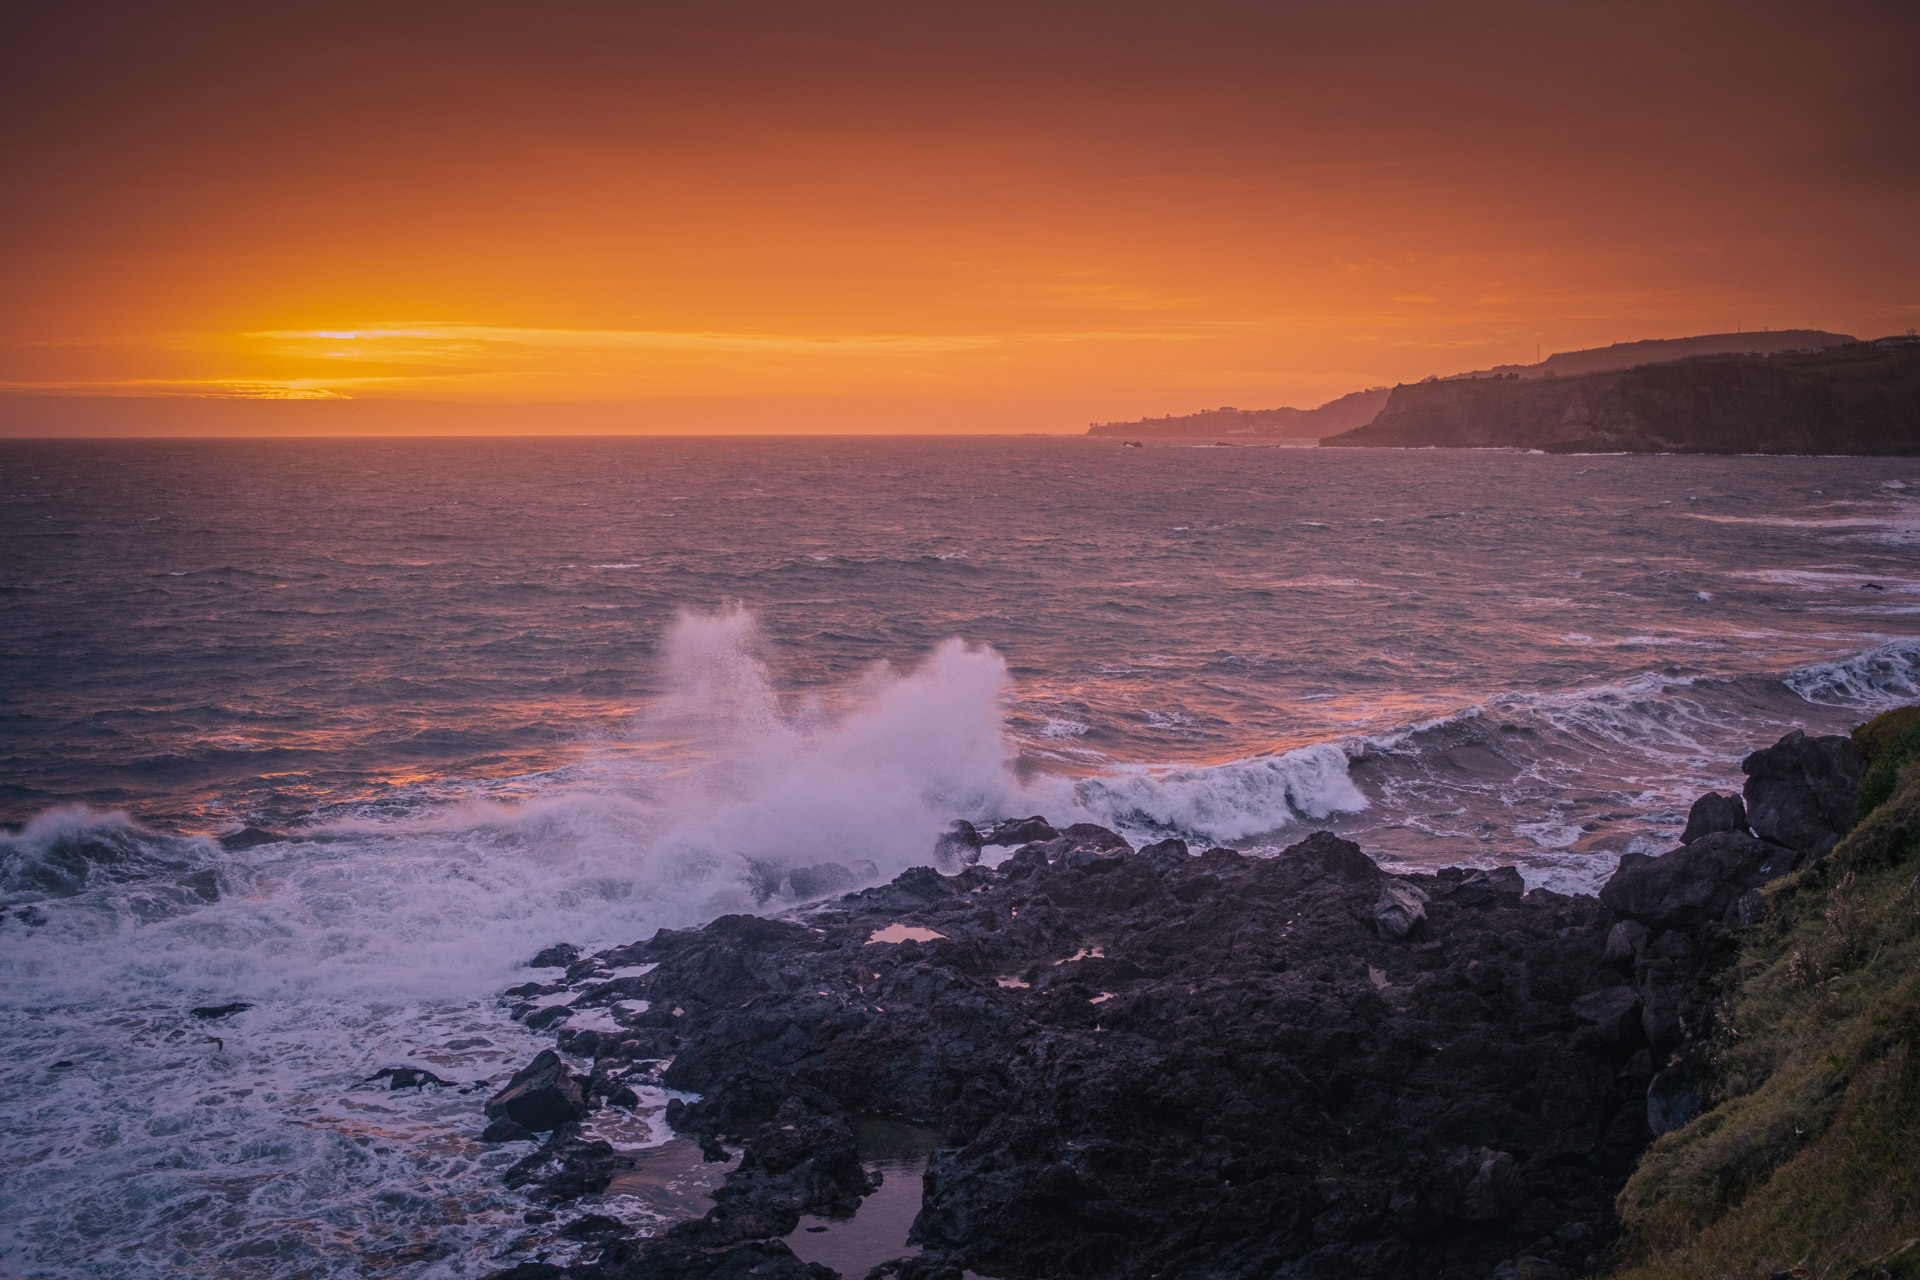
<point>541,1095</point>
<point>1156,1064</point>
<point>209,1012</point>
<point>1478,886</point>
<point>542,1018</point>
<point>1018,831</point>
<point>1479,1183</point>
<point>505,1130</point>
<point>560,955</point>
<point>1694,885</point>
<point>1625,942</point>
<point>1399,908</point>
<point>958,847</point>
<point>1714,812</point>
<point>1332,856</point>
<point>1164,855</point>
<point>820,880</point>
<point>407,1078</point>
<point>1672,1100</point>
<point>1614,1013</point>
<point>1804,792</point>
<point>1088,835</point>
<point>567,1167</point>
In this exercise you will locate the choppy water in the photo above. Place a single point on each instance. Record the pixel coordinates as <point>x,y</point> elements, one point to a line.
<point>502,693</point>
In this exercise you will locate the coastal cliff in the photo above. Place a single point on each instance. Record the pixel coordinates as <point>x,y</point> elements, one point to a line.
<point>1348,411</point>
<point>1863,398</point>
<point>1156,1062</point>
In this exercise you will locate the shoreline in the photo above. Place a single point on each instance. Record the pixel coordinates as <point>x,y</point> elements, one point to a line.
<point>1155,1060</point>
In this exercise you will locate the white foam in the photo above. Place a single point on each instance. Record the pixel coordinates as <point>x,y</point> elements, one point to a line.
<point>1232,801</point>
<point>1875,679</point>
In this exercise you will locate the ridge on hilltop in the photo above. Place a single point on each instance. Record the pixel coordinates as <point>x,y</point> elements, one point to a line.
<point>1359,408</point>
<point>1862,398</point>
<point>1627,355</point>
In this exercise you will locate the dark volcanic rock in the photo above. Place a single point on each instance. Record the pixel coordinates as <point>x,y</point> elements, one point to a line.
<point>208,1012</point>
<point>505,1130</point>
<point>1399,908</point>
<point>1714,812</point>
<point>1478,886</point>
<point>560,955</point>
<point>568,1166</point>
<point>821,879</point>
<point>1018,831</point>
<point>958,847</point>
<point>540,1096</point>
<point>406,1078</point>
<point>1160,1064</point>
<point>1695,885</point>
<point>1804,792</point>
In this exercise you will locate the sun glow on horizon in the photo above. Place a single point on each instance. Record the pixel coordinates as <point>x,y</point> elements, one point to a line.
<point>994,217</point>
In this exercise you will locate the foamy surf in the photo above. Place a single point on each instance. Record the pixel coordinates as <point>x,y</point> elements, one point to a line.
<point>253,1144</point>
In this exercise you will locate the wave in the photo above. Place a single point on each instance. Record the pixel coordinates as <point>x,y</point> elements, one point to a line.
<point>1226,802</point>
<point>1868,680</point>
<point>68,850</point>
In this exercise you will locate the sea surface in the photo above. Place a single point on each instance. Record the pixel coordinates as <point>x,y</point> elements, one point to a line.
<point>478,696</point>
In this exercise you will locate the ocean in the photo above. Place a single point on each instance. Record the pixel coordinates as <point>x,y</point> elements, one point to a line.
<point>462,699</point>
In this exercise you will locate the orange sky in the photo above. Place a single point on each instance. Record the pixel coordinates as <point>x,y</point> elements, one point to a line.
<point>913,216</point>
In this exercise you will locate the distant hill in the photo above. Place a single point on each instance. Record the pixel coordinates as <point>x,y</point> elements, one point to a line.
<point>1862,398</point>
<point>1358,408</point>
<point>1625,355</point>
<point>1352,410</point>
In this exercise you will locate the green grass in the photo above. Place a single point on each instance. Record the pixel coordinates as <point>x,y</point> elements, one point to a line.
<point>1811,1156</point>
<point>1888,742</point>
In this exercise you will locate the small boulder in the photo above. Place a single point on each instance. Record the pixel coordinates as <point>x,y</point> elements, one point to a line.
<point>505,1130</point>
<point>560,955</point>
<point>1164,855</point>
<point>1336,857</point>
<point>1671,1101</point>
<point>209,1012</point>
<point>1088,835</point>
<point>1804,792</point>
<point>541,1095</point>
<point>1479,1184</point>
<point>1017,831</point>
<point>1692,886</point>
<point>957,847</point>
<point>1714,812</point>
<point>1614,1013</point>
<point>1481,885</point>
<point>406,1078</point>
<point>820,880</point>
<point>1398,909</point>
<point>1625,941</point>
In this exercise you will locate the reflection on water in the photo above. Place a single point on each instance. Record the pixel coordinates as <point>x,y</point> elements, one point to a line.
<point>877,1233</point>
<point>673,1180</point>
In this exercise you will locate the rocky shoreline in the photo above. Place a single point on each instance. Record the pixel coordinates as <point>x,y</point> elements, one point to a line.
<point>1165,1062</point>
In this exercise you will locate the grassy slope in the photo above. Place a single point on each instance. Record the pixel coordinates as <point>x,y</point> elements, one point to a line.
<point>1810,1163</point>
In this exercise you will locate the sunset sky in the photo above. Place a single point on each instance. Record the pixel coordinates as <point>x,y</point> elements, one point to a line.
<point>587,216</point>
